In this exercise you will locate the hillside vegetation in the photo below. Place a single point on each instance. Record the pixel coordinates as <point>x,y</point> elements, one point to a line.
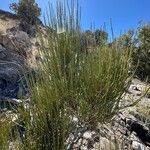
<point>80,82</point>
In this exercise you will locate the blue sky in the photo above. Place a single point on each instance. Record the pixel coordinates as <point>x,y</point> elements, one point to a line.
<point>125,14</point>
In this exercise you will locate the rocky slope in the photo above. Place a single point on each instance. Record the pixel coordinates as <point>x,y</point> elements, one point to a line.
<point>16,56</point>
<point>130,129</point>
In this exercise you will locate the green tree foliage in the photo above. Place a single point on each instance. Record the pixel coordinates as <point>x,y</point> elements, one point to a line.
<point>141,54</point>
<point>28,10</point>
<point>88,39</point>
<point>93,39</point>
<point>101,37</point>
<point>126,40</point>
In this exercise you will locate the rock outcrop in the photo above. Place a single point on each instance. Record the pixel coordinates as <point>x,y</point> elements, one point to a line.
<point>16,52</point>
<point>7,21</point>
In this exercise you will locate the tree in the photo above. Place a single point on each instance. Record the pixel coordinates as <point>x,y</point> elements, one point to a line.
<point>28,10</point>
<point>93,38</point>
<point>141,55</point>
<point>127,40</point>
<point>100,37</point>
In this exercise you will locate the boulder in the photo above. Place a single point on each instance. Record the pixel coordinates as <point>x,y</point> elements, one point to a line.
<point>18,43</point>
<point>14,48</point>
<point>12,84</point>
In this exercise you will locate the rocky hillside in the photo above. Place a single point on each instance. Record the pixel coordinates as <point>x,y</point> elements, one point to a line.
<point>130,129</point>
<point>16,55</point>
<point>7,21</point>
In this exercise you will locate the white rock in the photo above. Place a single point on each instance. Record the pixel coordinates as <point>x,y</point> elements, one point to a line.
<point>87,135</point>
<point>138,146</point>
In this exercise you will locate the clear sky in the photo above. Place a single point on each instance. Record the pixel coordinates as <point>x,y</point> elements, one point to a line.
<point>125,14</point>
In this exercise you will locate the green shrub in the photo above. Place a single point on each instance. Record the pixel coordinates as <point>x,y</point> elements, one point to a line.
<point>72,82</point>
<point>101,37</point>
<point>141,54</point>
<point>89,84</point>
<point>28,10</point>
